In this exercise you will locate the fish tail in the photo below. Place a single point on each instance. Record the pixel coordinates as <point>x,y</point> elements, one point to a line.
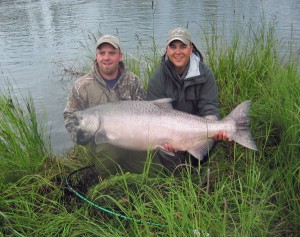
<point>241,117</point>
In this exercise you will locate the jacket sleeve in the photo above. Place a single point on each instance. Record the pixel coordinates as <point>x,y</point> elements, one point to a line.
<point>137,91</point>
<point>208,101</point>
<point>131,87</point>
<point>75,103</point>
<point>156,88</point>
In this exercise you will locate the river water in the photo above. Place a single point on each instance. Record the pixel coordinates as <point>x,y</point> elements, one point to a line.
<point>36,36</point>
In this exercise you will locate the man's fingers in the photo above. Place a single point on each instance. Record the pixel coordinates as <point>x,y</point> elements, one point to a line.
<point>168,147</point>
<point>222,136</point>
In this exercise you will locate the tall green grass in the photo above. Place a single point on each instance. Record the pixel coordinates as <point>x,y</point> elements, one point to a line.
<point>238,192</point>
<point>23,146</point>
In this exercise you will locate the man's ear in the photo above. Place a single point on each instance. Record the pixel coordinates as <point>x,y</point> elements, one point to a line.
<point>192,47</point>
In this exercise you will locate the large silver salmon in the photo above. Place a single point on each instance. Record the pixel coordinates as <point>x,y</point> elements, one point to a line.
<point>142,125</point>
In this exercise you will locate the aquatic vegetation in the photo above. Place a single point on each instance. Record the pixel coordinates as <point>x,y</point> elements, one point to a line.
<point>22,141</point>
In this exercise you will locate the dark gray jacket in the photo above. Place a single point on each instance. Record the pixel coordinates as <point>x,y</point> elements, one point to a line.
<point>196,94</point>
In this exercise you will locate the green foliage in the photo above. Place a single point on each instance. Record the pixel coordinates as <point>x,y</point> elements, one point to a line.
<point>145,63</point>
<point>22,143</point>
<point>244,63</point>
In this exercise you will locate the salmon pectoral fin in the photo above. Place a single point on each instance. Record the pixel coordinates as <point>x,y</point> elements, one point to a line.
<point>201,149</point>
<point>166,151</point>
<point>101,138</point>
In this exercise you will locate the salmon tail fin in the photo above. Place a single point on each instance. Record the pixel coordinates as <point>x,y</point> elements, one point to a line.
<point>241,117</point>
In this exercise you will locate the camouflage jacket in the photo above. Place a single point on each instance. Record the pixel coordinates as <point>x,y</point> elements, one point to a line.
<point>91,90</point>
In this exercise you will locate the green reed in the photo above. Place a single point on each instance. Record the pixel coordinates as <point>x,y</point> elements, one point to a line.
<point>23,146</point>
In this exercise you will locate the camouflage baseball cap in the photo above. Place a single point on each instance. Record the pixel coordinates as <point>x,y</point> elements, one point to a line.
<point>181,34</point>
<point>110,39</point>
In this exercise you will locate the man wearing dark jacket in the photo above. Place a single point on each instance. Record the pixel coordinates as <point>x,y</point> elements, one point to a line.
<point>183,77</point>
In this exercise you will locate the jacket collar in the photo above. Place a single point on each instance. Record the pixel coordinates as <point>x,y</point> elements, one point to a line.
<point>96,74</point>
<point>193,65</point>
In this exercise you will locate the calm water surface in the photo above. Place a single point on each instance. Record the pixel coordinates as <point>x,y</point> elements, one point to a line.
<point>36,34</point>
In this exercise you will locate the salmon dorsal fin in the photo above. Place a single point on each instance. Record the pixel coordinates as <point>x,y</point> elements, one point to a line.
<point>164,102</point>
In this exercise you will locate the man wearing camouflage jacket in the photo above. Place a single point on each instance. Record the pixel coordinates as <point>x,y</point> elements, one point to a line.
<point>108,81</point>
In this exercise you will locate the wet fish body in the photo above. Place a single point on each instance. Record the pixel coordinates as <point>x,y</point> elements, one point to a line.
<point>143,125</point>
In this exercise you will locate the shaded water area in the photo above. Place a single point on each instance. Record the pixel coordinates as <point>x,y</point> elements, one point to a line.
<point>35,35</point>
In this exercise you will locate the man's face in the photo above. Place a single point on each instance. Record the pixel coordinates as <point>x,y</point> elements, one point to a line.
<point>108,59</point>
<point>179,54</point>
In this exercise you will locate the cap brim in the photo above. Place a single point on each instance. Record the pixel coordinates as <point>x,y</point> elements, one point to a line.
<point>107,42</point>
<point>185,41</point>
